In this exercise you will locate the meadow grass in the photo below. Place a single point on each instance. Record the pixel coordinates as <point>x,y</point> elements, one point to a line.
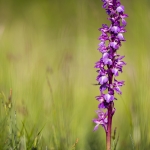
<point>48,51</point>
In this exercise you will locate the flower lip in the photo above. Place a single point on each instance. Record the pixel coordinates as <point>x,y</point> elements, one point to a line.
<point>115,71</point>
<point>101,105</point>
<point>103,79</point>
<point>120,9</point>
<point>105,55</point>
<point>115,29</point>
<point>114,45</point>
<point>120,37</point>
<point>100,98</point>
<point>107,61</point>
<point>109,97</point>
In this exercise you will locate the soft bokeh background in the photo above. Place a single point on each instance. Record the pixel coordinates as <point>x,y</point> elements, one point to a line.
<point>48,50</point>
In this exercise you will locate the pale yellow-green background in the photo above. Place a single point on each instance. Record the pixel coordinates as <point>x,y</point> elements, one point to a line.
<point>48,50</point>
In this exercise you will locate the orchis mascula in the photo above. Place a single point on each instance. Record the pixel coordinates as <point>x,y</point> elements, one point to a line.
<point>110,64</point>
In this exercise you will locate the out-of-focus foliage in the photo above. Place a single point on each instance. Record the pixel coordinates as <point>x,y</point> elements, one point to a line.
<point>48,50</point>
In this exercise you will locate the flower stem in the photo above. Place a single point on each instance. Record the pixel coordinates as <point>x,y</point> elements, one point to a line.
<point>108,133</point>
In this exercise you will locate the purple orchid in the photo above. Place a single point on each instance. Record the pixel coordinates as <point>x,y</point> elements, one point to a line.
<point>111,63</point>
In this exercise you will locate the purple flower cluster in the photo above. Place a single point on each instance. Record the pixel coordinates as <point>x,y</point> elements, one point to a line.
<point>111,63</point>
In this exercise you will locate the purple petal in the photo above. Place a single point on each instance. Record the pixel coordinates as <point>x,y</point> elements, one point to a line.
<point>96,127</point>
<point>115,71</point>
<point>121,63</point>
<point>102,120</point>
<point>103,80</point>
<point>101,105</point>
<point>106,120</point>
<point>104,28</point>
<point>115,29</point>
<point>123,16</point>
<point>111,91</point>
<point>114,45</point>
<point>120,9</point>
<point>108,98</point>
<point>102,49</point>
<point>117,89</point>
<point>124,22</point>
<point>107,61</point>
<point>100,98</point>
<point>101,44</point>
<point>103,87</point>
<point>120,37</point>
<point>119,83</point>
<point>120,57</point>
<point>105,55</point>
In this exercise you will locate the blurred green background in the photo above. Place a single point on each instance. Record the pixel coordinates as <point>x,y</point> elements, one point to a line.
<point>48,51</point>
